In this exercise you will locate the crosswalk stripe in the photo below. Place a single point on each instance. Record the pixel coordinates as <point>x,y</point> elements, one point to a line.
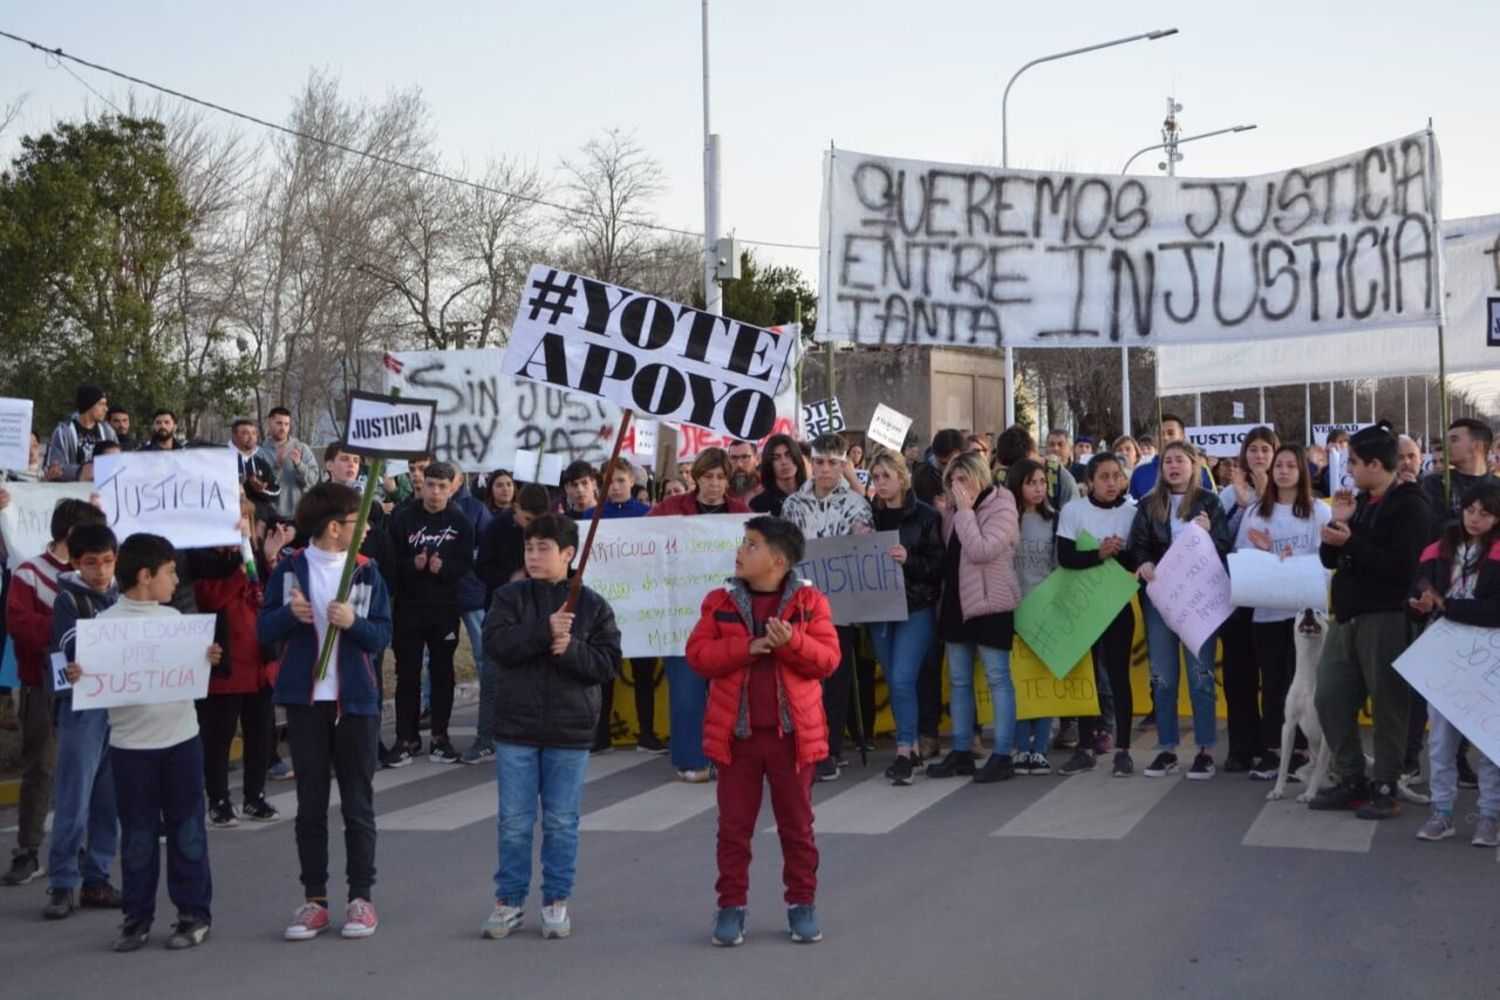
<point>659,809</point>
<point>1289,823</point>
<point>385,780</point>
<point>1089,806</point>
<point>873,806</point>
<point>470,805</point>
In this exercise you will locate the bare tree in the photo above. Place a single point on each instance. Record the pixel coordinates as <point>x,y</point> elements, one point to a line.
<point>610,185</point>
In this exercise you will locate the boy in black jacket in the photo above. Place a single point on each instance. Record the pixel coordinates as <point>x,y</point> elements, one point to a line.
<point>549,664</point>
<point>1374,542</point>
<point>433,545</point>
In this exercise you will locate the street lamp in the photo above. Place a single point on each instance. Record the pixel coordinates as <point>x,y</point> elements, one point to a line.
<point>1192,138</point>
<point>1010,354</point>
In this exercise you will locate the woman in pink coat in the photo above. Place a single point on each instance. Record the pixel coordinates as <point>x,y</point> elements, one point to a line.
<point>976,612</point>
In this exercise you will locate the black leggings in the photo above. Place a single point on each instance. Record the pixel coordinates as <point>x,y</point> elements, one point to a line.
<point>1113,649</point>
<point>218,715</point>
<point>1275,648</point>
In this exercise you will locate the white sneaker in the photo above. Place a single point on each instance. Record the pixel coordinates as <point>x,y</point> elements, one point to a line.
<point>555,922</point>
<point>501,922</point>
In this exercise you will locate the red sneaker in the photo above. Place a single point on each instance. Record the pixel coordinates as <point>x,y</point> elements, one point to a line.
<point>359,919</point>
<point>310,921</point>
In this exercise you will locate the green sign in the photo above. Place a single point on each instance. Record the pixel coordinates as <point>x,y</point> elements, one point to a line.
<point>1064,616</point>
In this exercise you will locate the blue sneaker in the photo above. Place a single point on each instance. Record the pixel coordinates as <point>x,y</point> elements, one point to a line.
<point>803,920</point>
<point>729,927</point>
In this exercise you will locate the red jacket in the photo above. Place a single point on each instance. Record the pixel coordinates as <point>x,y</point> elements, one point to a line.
<point>244,667</point>
<point>719,649</point>
<point>687,503</point>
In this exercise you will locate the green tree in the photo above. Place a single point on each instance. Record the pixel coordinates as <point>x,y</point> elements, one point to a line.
<point>766,296</point>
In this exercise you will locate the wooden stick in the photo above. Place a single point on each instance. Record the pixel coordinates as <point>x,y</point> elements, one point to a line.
<point>588,543</point>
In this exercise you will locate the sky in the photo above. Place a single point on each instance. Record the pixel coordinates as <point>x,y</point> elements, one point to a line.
<point>921,80</point>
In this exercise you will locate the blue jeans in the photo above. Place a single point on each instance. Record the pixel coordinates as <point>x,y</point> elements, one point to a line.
<point>901,647</point>
<point>687,700</point>
<point>485,726</point>
<point>555,777</point>
<point>83,799</point>
<point>1034,735</point>
<point>162,790</point>
<point>961,694</point>
<point>1162,647</point>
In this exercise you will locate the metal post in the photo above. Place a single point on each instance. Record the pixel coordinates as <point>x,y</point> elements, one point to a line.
<point>1307,410</point>
<point>1330,402</point>
<point>1262,404</point>
<point>1405,405</point>
<point>712,294</point>
<point>1124,389</point>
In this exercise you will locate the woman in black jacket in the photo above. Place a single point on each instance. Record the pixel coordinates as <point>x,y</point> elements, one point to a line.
<point>902,646</point>
<point>1177,500</point>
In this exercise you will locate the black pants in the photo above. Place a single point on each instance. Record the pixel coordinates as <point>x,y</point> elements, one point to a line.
<point>218,715</point>
<point>602,736</point>
<point>161,792</point>
<point>644,676</point>
<point>837,689</point>
<point>1274,645</point>
<point>1113,652</point>
<point>436,630</point>
<point>1242,688</point>
<point>319,739</point>
<point>930,690</point>
<point>865,672</point>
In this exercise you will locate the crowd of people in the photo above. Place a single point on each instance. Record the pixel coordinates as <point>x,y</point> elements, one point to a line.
<point>768,690</point>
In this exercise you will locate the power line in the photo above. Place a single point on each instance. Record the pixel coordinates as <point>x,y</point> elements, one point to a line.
<point>58,53</point>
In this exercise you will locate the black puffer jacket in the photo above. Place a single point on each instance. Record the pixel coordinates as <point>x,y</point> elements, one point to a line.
<point>541,699</point>
<point>921,528</point>
<point>1377,564</point>
<point>1151,537</point>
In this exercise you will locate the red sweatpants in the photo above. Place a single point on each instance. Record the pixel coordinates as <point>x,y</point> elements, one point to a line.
<point>766,757</point>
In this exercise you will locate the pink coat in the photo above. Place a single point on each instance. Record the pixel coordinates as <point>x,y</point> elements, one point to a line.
<point>986,568</point>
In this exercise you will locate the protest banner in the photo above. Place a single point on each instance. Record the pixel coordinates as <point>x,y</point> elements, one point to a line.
<point>822,417</point>
<point>15,434</point>
<point>141,660</point>
<point>670,361</point>
<point>1068,612</point>
<point>1321,431</point>
<point>1042,695</point>
<point>1191,589</point>
<point>1265,580</point>
<point>1457,669</point>
<point>655,572</point>
<point>191,497</point>
<point>392,426</point>
<point>946,254</point>
<point>888,428</point>
<point>858,576</point>
<point>1223,440</point>
<point>27,522</point>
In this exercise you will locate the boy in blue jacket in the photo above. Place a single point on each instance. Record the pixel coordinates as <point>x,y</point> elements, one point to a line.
<point>332,720</point>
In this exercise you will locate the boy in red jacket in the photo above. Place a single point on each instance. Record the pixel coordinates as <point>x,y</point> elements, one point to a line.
<point>765,642</point>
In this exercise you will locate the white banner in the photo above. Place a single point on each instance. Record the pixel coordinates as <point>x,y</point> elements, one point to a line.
<point>668,361</point>
<point>141,660</point>
<point>1321,431</point>
<point>1407,347</point>
<point>27,522</point>
<point>1457,669</point>
<point>15,434</point>
<point>956,255</point>
<point>1191,589</point>
<point>189,496</point>
<point>655,571</point>
<point>1222,440</point>
<point>1265,580</point>
<point>388,426</point>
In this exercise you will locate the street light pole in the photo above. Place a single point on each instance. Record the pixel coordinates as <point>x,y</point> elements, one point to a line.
<point>1010,352</point>
<point>1183,141</point>
<point>713,296</point>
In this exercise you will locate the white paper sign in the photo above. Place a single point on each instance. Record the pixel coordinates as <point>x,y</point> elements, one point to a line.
<point>668,361</point>
<point>1222,440</point>
<point>1457,669</point>
<point>1237,411</point>
<point>189,496</point>
<point>888,428</point>
<point>824,416</point>
<point>142,660</point>
<point>1191,589</point>
<point>1265,580</point>
<point>1321,431</point>
<point>538,467</point>
<point>1339,476</point>
<point>643,442</point>
<point>27,522</point>
<point>389,426</point>
<point>58,664</point>
<point>15,434</point>
<point>655,571</point>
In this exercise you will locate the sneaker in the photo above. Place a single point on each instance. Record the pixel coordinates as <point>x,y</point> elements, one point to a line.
<point>1347,795</point>
<point>803,920</point>
<point>1021,762</point>
<point>828,769</point>
<point>359,919</point>
<point>1466,776</point>
<point>478,753</point>
<point>1236,764</point>
<point>310,921</point>
<point>1040,764</point>
<point>928,747</point>
<point>648,743</point>
<point>958,762</point>
<point>1203,766</point>
<point>1082,760</point>
<point>555,922</point>
<point>133,936</point>
<point>99,896</point>
<point>1164,764</point>
<point>188,932</point>
<point>900,772</point>
<point>502,921</point>
<point>1104,744</point>
<point>1067,736</point>
<point>221,815</point>
<point>1411,772</point>
<point>59,904</point>
<point>1439,826</point>
<point>1124,765</point>
<point>23,868</point>
<point>1381,803</point>
<point>998,768</point>
<point>1266,768</point>
<point>280,771</point>
<point>1486,832</point>
<point>260,810</point>
<point>397,757</point>
<point>695,776</point>
<point>729,927</point>
<point>442,752</point>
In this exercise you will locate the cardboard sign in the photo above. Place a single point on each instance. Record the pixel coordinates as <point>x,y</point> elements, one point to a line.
<point>1068,612</point>
<point>142,660</point>
<point>888,428</point>
<point>1223,440</point>
<point>822,417</point>
<point>379,426</point>
<point>668,361</point>
<point>1457,669</point>
<point>1042,695</point>
<point>1265,580</point>
<point>27,522</point>
<point>1191,589</point>
<point>189,496</point>
<point>858,576</point>
<point>15,434</point>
